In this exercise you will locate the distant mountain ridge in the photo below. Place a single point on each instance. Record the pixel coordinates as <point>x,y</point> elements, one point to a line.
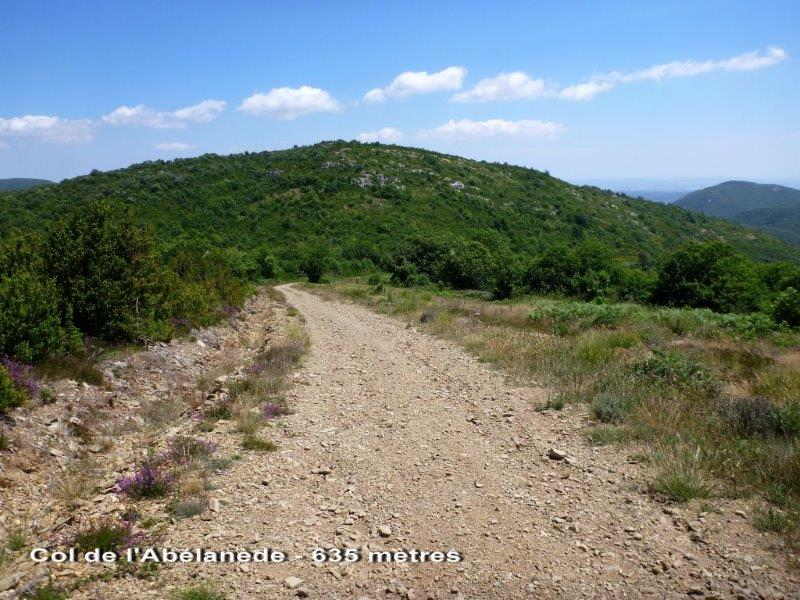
<point>769,207</point>
<point>21,183</point>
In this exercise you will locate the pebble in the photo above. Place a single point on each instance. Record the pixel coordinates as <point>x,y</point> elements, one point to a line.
<point>293,582</point>
<point>384,531</point>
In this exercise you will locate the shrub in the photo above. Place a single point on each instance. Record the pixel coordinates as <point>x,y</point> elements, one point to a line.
<point>566,317</point>
<point>184,509</point>
<point>11,395</point>
<point>273,410</point>
<point>16,541</point>
<point>503,284</point>
<point>107,535</point>
<point>183,449</point>
<point>676,369</point>
<point>314,262</point>
<point>773,520</point>
<point>267,264</point>
<point>147,482</point>
<point>79,367</point>
<point>47,592</point>
<point>199,592</point>
<point>708,275</point>
<point>599,347</point>
<point>466,265</point>
<point>611,408</point>
<point>787,307</point>
<point>253,442</point>
<point>278,358</point>
<point>249,421</point>
<point>750,417</point>
<point>30,317</point>
<point>107,272</point>
<point>681,484</point>
<point>22,376</point>
<point>603,435</point>
<point>218,412</point>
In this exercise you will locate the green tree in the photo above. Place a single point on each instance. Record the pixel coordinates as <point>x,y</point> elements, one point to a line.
<point>787,307</point>
<point>314,261</point>
<point>106,269</point>
<point>708,275</point>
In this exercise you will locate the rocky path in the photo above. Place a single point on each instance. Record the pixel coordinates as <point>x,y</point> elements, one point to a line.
<point>402,441</point>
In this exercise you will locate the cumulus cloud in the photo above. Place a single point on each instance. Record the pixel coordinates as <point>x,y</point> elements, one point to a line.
<point>47,127</point>
<point>467,128</point>
<point>505,86</point>
<point>585,91</point>
<point>144,116</point>
<point>388,135</point>
<point>289,103</point>
<point>750,61</point>
<point>419,82</point>
<point>173,146</point>
<point>203,112</point>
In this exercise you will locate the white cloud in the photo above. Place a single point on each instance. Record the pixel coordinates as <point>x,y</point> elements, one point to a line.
<point>142,115</point>
<point>49,128</point>
<point>505,86</point>
<point>173,146</point>
<point>585,91</point>
<point>139,115</point>
<point>750,61</point>
<point>467,128</point>
<point>419,82</point>
<point>289,103</point>
<point>204,112</point>
<point>387,135</point>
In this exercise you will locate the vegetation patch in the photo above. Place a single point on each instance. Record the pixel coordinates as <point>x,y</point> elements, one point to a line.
<point>147,481</point>
<point>107,535</point>
<point>199,592</point>
<point>46,592</point>
<point>681,483</point>
<point>253,442</point>
<point>603,435</point>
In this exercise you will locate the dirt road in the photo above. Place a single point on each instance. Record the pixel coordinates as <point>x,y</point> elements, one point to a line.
<point>404,441</point>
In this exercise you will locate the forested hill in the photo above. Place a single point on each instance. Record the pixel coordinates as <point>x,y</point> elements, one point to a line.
<point>732,198</point>
<point>362,200</point>
<point>19,183</point>
<point>772,208</point>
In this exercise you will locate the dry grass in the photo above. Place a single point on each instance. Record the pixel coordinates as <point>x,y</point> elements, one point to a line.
<point>159,414</point>
<point>76,483</point>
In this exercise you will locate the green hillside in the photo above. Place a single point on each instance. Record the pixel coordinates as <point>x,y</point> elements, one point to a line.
<point>772,208</point>
<point>782,222</point>
<point>18,183</point>
<point>364,199</point>
<point>155,249</point>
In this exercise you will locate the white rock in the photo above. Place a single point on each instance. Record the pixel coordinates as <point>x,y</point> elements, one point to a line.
<point>293,582</point>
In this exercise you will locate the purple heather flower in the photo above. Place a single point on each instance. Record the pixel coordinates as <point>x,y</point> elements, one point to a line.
<point>147,482</point>
<point>21,374</point>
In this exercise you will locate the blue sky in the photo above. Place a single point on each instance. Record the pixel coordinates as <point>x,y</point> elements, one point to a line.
<point>638,92</point>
